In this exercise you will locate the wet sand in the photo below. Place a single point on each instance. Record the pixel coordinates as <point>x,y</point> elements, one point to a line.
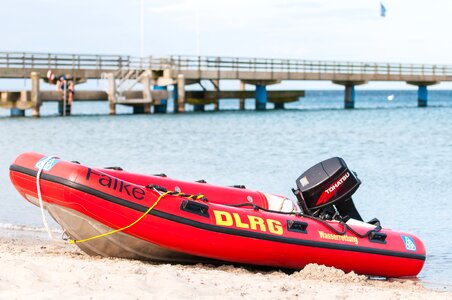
<point>34,267</point>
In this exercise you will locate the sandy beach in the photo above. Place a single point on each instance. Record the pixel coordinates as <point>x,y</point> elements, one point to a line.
<point>34,267</point>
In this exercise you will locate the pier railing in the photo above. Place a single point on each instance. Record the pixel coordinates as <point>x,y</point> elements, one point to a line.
<point>75,61</point>
<point>25,60</point>
<point>305,66</point>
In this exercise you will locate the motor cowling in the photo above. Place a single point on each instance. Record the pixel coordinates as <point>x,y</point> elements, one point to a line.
<point>326,189</point>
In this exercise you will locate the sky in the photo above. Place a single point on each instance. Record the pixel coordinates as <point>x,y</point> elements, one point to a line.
<point>413,31</point>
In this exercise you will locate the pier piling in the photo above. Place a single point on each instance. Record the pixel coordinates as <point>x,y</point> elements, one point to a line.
<point>111,93</point>
<point>17,112</point>
<point>216,103</point>
<point>422,96</point>
<point>162,107</point>
<point>242,100</point>
<point>279,105</point>
<point>179,94</point>
<point>147,96</point>
<point>349,96</point>
<point>349,93</point>
<point>139,110</point>
<point>422,91</point>
<point>261,97</point>
<point>35,95</point>
<point>199,107</point>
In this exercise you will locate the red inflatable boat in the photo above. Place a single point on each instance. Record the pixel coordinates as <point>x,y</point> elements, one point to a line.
<point>169,220</point>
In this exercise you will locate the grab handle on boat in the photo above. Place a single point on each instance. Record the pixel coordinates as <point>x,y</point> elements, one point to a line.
<point>297,226</point>
<point>377,237</point>
<point>115,168</point>
<point>195,208</point>
<point>238,186</point>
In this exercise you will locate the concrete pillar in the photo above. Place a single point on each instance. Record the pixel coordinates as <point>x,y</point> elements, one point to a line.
<point>349,96</point>
<point>139,109</point>
<point>175,98</point>
<point>111,93</point>
<point>17,112</point>
<point>147,96</point>
<point>422,91</point>
<point>279,105</point>
<point>242,100</point>
<point>35,95</point>
<point>167,73</point>
<point>349,93</point>
<point>199,107</point>
<point>216,103</point>
<point>422,96</point>
<point>261,97</point>
<point>162,107</point>
<point>179,94</point>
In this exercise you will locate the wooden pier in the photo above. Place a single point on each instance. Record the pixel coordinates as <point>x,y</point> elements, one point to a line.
<point>144,82</point>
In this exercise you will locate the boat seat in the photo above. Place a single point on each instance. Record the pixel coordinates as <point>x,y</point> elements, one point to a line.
<point>282,204</point>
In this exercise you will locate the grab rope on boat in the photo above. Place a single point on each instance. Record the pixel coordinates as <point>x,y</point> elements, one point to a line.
<point>163,192</point>
<point>162,189</point>
<point>122,228</point>
<point>41,204</point>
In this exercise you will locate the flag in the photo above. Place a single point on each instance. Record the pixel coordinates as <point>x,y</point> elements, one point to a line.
<point>382,10</point>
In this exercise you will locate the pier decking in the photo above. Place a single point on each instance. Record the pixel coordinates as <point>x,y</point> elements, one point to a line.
<point>156,74</point>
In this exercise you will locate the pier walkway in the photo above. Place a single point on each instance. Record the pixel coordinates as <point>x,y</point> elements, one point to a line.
<point>156,74</point>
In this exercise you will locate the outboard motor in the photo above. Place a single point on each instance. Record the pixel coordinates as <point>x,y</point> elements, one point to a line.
<point>325,190</point>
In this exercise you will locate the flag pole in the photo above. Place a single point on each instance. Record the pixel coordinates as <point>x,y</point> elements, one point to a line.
<point>198,38</point>
<point>142,29</point>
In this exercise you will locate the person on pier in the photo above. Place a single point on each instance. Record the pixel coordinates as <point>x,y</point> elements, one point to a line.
<point>70,91</point>
<point>66,87</point>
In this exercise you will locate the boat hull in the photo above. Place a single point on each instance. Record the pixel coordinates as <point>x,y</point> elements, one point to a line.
<point>80,197</point>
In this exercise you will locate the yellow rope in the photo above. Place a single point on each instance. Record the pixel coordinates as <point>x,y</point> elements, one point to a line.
<point>123,228</point>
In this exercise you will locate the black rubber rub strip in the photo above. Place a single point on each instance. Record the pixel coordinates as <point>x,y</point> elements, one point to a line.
<point>210,227</point>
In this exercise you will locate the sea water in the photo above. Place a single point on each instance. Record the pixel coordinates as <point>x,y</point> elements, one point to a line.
<point>402,154</point>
